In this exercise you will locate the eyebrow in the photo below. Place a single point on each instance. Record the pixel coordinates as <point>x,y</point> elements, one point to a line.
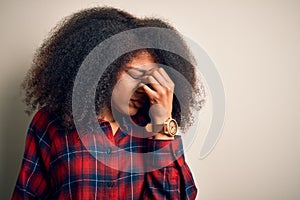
<point>135,68</point>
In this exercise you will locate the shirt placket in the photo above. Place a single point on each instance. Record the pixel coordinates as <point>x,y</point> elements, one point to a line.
<point>111,163</point>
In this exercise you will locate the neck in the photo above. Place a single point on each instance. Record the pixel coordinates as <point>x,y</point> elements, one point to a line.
<point>106,115</point>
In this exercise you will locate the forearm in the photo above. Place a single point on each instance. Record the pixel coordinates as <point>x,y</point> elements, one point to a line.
<point>168,175</point>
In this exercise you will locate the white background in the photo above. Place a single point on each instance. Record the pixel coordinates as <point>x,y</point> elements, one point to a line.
<point>256,48</point>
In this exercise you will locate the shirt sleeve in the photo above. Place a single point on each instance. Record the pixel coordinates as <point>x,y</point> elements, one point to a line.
<point>33,180</point>
<point>171,177</point>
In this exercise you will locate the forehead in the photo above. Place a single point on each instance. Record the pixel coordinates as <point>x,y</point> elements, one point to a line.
<point>142,60</point>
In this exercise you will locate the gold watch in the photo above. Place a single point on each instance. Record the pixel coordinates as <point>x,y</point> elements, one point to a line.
<point>170,127</point>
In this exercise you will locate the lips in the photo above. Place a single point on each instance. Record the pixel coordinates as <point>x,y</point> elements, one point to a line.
<point>139,98</point>
<point>136,104</point>
<point>139,101</point>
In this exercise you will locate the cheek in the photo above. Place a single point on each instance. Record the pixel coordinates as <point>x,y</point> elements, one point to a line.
<point>121,95</point>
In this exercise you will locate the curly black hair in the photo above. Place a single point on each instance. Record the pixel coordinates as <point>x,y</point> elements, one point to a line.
<point>51,78</point>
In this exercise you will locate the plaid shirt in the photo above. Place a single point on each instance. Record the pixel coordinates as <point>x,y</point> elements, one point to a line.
<point>57,165</point>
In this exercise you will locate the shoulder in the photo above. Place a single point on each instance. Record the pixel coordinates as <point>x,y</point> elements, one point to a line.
<point>43,118</point>
<point>45,124</point>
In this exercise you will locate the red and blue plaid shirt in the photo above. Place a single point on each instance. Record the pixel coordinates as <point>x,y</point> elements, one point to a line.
<point>57,165</point>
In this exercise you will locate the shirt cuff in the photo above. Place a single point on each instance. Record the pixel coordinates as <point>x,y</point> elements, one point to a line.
<point>165,153</point>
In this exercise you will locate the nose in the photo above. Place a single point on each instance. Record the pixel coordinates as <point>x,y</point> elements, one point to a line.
<point>140,90</point>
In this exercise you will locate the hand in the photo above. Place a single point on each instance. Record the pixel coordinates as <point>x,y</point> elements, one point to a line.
<point>159,87</point>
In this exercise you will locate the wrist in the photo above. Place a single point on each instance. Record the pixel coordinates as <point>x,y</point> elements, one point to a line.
<point>159,120</point>
<point>162,136</point>
<point>165,130</point>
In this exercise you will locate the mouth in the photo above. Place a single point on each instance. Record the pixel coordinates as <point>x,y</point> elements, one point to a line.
<point>139,99</point>
<point>138,103</point>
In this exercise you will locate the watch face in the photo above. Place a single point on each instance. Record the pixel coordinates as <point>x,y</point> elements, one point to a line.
<point>173,127</point>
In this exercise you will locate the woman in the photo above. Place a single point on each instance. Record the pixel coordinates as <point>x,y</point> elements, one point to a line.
<point>135,107</point>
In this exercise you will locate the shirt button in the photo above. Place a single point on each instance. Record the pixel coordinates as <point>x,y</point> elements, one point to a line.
<point>110,184</point>
<point>108,150</point>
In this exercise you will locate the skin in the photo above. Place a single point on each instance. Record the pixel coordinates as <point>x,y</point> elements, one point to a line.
<point>130,94</point>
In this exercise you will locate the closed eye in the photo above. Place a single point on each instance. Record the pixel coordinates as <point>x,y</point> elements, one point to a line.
<point>134,72</point>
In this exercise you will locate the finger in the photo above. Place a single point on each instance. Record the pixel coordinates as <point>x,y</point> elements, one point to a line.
<point>160,79</point>
<point>150,80</point>
<point>165,75</point>
<point>151,94</point>
<point>155,84</point>
<point>139,88</point>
